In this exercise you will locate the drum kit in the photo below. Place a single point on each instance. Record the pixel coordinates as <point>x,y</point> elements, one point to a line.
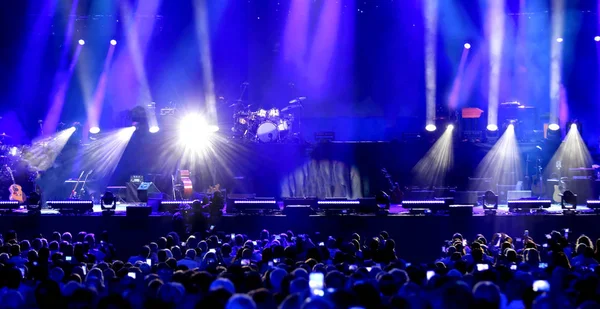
<point>268,126</point>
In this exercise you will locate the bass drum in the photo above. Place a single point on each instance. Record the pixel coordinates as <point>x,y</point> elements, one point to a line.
<point>267,132</point>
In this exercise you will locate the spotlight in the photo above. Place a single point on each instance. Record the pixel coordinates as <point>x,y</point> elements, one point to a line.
<point>33,203</point>
<point>467,46</point>
<point>113,42</point>
<point>94,130</point>
<point>490,200</point>
<point>430,127</point>
<point>568,200</point>
<point>195,132</point>
<point>154,129</point>
<point>450,127</point>
<point>573,126</point>
<point>559,40</point>
<point>108,202</point>
<point>81,42</point>
<point>492,127</point>
<point>554,127</point>
<point>597,38</point>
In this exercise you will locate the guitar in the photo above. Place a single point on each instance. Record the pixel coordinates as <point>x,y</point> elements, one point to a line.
<point>559,188</point>
<point>16,192</point>
<point>73,195</point>
<point>396,195</point>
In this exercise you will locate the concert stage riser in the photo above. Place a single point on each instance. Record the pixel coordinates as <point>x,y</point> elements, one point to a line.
<point>418,238</point>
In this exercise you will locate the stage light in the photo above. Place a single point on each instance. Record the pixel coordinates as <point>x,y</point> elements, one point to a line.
<point>154,129</point>
<point>430,127</point>
<point>492,127</point>
<point>490,200</point>
<point>559,40</point>
<point>94,130</point>
<point>195,133</point>
<point>568,200</point>
<point>573,126</point>
<point>81,42</point>
<point>597,38</point>
<point>467,46</point>
<point>113,42</point>
<point>450,127</point>
<point>495,32</point>
<point>108,202</point>
<point>554,127</point>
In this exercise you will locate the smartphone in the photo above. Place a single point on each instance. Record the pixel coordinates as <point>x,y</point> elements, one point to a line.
<point>212,251</point>
<point>277,237</point>
<point>316,282</point>
<point>84,269</point>
<point>322,244</point>
<point>35,263</point>
<point>430,274</point>
<point>211,261</point>
<point>548,236</point>
<point>22,271</point>
<point>276,260</point>
<point>543,265</point>
<point>271,264</point>
<point>566,230</point>
<point>519,239</point>
<point>254,242</point>
<point>482,267</point>
<point>464,242</point>
<point>545,245</point>
<point>68,258</point>
<point>212,227</point>
<point>183,244</point>
<point>513,267</point>
<point>245,262</point>
<point>541,286</point>
<point>443,249</point>
<point>353,267</point>
<point>369,269</point>
<point>232,236</point>
<point>149,262</point>
<point>131,274</point>
<point>408,264</point>
<point>526,233</point>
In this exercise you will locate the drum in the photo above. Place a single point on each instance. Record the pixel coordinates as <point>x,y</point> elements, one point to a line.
<point>261,113</point>
<point>267,132</point>
<point>273,113</point>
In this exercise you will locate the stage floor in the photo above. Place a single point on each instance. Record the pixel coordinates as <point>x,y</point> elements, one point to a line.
<point>395,209</point>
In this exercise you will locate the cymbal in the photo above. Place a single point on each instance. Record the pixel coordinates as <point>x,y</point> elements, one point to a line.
<point>297,100</point>
<point>240,104</point>
<point>291,107</point>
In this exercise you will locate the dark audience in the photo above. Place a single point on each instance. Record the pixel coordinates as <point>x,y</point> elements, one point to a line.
<point>296,271</point>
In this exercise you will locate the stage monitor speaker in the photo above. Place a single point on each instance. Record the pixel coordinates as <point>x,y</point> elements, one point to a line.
<point>297,211</point>
<point>147,190</point>
<point>461,211</point>
<point>138,211</point>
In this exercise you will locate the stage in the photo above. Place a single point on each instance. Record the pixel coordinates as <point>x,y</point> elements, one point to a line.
<point>426,232</point>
